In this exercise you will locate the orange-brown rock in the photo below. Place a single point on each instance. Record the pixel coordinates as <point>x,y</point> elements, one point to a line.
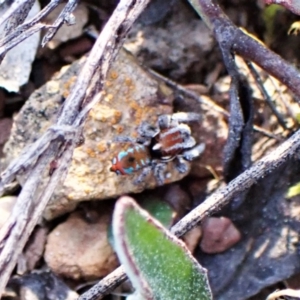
<point>218,235</point>
<point>79,249</point>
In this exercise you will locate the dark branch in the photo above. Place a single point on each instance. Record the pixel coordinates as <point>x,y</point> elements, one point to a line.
<point>228,35</point>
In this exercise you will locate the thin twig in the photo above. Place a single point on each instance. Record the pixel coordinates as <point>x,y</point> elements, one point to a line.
<point>283,100</point>
<point>244,181</point>
<point>267,133</point>
<point>26,159</point>
<point>245,46</point>
<point>21,37</point>
<point>19,16</point>
<point>265,94</point>
<point>63,17</point>
<point>201,99</point>
<point>27,211</point>
<point>105,286</point>
<point>25,29</point>
<point>16,14</point>
<point>206,101</point>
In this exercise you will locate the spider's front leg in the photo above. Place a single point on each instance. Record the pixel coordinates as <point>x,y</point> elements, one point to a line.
<point>141,178</point>
<point>159,172</point>
<point>188,155</point>
<point>146,132</point>
<point>181,165</point>
<point>193,153</point>
<point>167,121</point>
<point>124,139</point>
<point>158,168</point>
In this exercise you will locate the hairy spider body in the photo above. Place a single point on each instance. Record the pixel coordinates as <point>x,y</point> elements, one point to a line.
<point>156,145</point>
<point>172,141</point>
<point>133,159</point>
<point>137,157</point>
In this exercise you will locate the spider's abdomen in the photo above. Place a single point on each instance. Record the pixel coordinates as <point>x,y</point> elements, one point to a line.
<point>173,141</point>
<point>131,160</point>
<point>170,141</point>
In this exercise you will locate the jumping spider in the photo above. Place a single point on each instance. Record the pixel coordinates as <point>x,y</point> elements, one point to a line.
<point>170,139</point>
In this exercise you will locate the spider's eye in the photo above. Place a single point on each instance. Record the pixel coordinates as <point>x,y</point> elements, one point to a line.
<point>131,159</point>
<point>163,121</point>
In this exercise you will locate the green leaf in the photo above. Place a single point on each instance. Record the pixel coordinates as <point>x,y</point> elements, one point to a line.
<point>293,190</point>
<point>159,209</point>
<point>158,264</point>
<point>269,14</point>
